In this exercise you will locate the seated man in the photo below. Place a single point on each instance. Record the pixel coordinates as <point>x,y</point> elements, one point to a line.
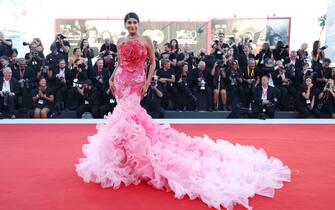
<point>265,99</point>
<point>8,91</point>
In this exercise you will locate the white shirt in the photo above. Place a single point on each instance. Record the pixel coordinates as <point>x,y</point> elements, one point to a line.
<point>5,86</point>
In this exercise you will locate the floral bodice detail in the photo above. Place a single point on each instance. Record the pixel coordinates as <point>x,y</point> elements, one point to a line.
<point>133,54</point>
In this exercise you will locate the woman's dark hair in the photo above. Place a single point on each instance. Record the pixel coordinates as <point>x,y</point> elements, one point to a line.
<point>177,45</point>
<point>279,44</point>
<point>14,51</point>
<point>315,48</point>
<point>82,44</point>
<point>75,50</point>
<point>131,15</point>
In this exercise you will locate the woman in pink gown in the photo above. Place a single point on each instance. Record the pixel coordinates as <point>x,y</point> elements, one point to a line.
<point>130,147</point>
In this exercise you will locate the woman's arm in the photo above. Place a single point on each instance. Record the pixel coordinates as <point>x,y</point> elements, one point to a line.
<point>117,63</point>
<point>151,53</point>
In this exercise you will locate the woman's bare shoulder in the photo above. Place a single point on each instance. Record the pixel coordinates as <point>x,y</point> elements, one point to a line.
<point>146,40</point>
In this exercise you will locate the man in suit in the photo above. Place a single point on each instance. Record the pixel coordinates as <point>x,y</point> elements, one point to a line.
<point>26,81</point>
<point>89,100</point>
<point>61,82</point>
<point>265,99</point>
<point>8,92</point>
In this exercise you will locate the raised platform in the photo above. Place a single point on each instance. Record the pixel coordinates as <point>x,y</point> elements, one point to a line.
<point>179,115</point>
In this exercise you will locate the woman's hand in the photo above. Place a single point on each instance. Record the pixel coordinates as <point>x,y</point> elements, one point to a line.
<point>145,89</point>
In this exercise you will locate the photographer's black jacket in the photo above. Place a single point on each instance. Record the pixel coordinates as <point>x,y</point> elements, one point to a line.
<point>56,83</point>
<point>91,96</point>
<point>271,95</point>
<point>81,76</point>
<point>28,74</point>
<point>104,75</point>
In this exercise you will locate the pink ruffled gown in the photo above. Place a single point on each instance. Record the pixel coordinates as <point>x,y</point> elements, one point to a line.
<point>130,147</point>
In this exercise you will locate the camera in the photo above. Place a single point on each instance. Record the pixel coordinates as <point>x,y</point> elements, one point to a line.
<point>324,47</point>
<point>5,98</point>
<point>81,66</point>
<point>25,43</point>
<point>61,36</point>
<point>76,83</point>
<point>24,83</point>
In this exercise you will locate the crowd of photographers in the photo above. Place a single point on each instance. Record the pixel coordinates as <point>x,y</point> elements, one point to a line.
<point>230,77</point>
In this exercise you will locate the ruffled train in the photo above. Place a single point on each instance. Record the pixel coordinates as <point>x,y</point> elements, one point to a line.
<point>130,147</point>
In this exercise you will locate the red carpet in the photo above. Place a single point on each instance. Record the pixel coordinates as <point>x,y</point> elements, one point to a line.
<point>37,169</point>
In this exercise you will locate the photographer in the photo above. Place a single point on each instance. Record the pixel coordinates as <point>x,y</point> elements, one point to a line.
<point>174,46</point>
<point>63,46</point>
<point>318,55</point>
<point>235,88</point>
<point>250,81</point>
<point>108,52</point>
<point>54,57</point>
<point>76,54</point>
<point>152,101</point>
<point>308,100</point>
<point>108,103</point>
<point>201,57</point>
<point>323,74</point>
<point>100,77</point>
<point>293,66</point>
<point>284,80</point>
<point>223,46</point>
<point>244,57</point>
<point>168,54</point>
<point>61,82</point>
<point>4,63</point>
<point>327,99</point>
<point>302,52</point>
<point>232,44</point>
<point>166,78</point>
<point>203,84</point>
<point>265,99</point>
<point>219,85</point>
<point>13,60</point>
<point>264,53</point>
<point>35,57</point>
<point>280,52</point>
<point>79,75</point>
<point>26,80</point>
<point>185,99</point>
<point>8,92</point>
<point>87,52</point>
<point>88,100</point>
<point>216,51</point>
<point>185,56</point>
<point>43,99</point>
<point>5,46</point>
